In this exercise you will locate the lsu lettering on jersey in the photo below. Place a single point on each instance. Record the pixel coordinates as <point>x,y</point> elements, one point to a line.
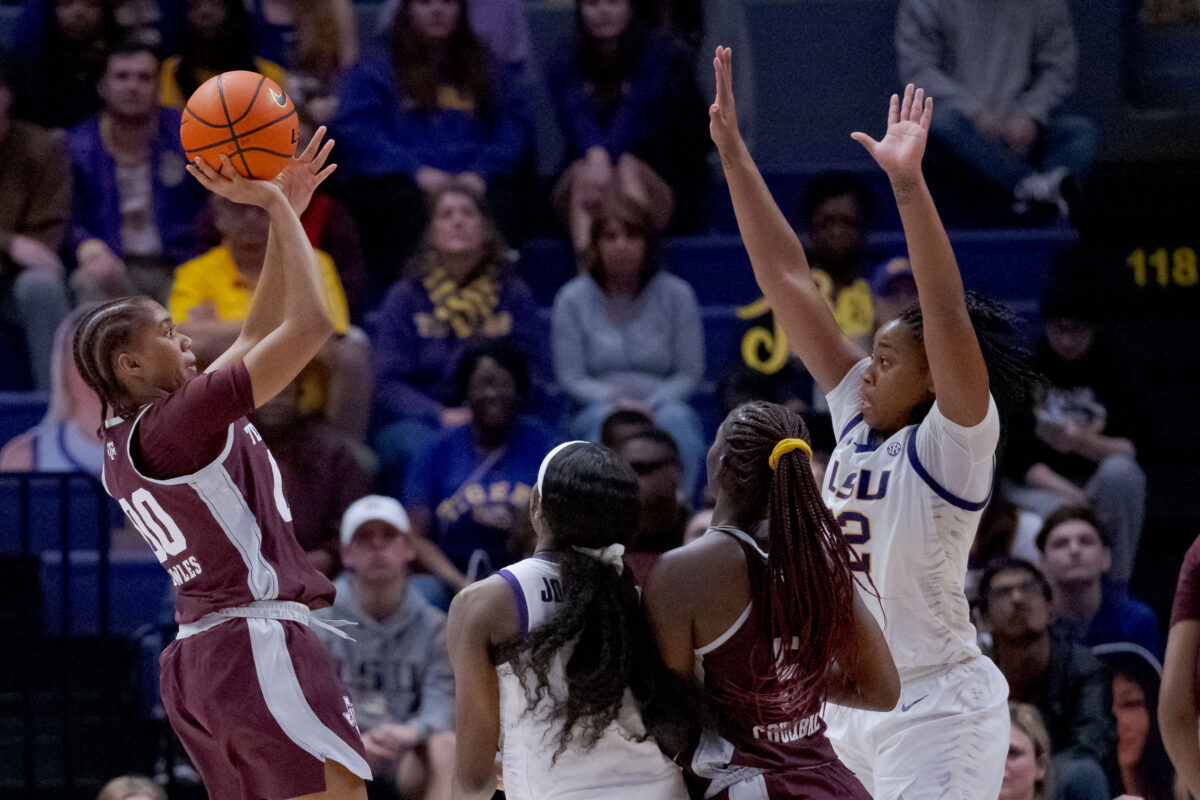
<point>618,767</point>
<point>910,505</point>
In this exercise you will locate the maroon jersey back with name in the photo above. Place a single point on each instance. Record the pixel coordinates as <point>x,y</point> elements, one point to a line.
<point>743,659</point>
<point>223,533</point>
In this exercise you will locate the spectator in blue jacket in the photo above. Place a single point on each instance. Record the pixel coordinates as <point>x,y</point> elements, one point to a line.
<point>632,117</point>
<point>460,291</point>
<point>134,211</point>
<point>61,46</point>
<point>429,107</point>
<point>1089,609</point>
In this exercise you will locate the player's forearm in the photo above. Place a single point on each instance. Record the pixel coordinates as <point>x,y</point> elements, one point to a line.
<point>935,270</point>
<point>771,243</point>
<point>297,271</point>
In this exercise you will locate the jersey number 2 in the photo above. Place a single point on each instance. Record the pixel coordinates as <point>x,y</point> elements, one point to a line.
<point>154,524</point>
<point>856,529</point>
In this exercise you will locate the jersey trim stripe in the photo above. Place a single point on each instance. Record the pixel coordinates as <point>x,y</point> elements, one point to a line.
<point>857,418</point>
<point>938,489</point>
<point>182,478</point>
<point>725,637</point>
<point>285,699</point>
<point>243,533</point>
<point>522,607</point>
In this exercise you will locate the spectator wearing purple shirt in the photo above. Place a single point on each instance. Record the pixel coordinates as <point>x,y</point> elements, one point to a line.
<point>428,107</point>
<point>460,292</point>
<point>133,218</point>
<point>632,118</point>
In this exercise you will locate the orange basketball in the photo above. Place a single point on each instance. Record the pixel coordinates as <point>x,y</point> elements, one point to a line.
<point>245,116</point>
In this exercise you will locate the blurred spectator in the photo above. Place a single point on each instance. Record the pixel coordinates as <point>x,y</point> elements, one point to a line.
<point>623,424</point>
<point>35,207</point>
<point>142,20</point>
<point>1000,72</point>
<point>1027,774</point>
<point>628,334</point>
<point>1005,531</point>
<point>1061,678</point>
<point>61,46</point>
<point>323,472</point>
<point>1179,702</point>
<point>1146,771</point>
<point>632,118</point>
<point>836,210</point>
<point>1072,448</point>
<point>654,456</point>
<point>134,204</point>
<point>131,787</point>
<point>396,666</point>
<point>461,290</point>
<point>1088,609</point>
<point>214,36</point>
<point>314,40</point>
<point>428,108</point>
<point>211,295</point>
<point>893,289</point>
<point>68,438</point>
<point>468,492</point>
<point>500,24</point>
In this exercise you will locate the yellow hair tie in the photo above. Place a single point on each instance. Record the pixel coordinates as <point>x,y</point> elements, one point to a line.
<point>787,446</point>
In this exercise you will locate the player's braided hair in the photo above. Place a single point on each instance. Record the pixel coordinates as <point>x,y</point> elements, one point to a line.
<point>590,499</point>
<point>1010,377</point>
<point>100,334</point>
<point>809,594</point>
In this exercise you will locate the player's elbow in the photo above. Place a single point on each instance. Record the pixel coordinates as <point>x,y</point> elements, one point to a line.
<point>881,690</point>
<point>475,779</point>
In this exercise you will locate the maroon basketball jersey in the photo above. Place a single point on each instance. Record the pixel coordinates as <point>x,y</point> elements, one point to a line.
<point>224,532</point>
<point>742,660</point>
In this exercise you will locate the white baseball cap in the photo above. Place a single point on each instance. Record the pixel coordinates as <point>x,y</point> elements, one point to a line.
<point>374,507</point>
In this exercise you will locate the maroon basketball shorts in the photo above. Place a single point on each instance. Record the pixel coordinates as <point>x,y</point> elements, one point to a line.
<point>259,708</point>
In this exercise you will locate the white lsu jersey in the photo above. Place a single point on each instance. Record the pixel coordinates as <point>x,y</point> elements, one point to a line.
<point>618,767</point>
<point>910,506</point>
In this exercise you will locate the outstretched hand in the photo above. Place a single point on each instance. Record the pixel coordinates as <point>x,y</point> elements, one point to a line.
<point>902,147</point>
<point>228,183</point>
<point>301,177</point>
<point>722,114</point>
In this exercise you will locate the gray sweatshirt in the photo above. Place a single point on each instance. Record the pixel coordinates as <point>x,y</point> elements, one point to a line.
<point>398,669</point>
<point>998,54</point>
<point>652,352</point>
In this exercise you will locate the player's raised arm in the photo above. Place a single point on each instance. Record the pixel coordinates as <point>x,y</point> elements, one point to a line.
<point>778,259</point>
<point>288,321</point>
<point>956,363</point>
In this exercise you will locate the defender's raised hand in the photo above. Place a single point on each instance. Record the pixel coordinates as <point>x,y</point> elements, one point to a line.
<point>903,145</point>
<point>722,114</point>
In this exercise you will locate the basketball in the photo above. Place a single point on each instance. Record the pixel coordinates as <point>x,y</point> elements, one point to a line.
<point>244,115</point>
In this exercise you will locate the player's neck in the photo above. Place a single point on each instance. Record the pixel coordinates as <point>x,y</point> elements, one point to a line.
<point>1077,601</point>
<point>725,514</point>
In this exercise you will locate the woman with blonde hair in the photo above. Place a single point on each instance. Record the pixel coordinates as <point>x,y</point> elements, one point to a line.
<point>131,787</point>
<point>1027,769</point>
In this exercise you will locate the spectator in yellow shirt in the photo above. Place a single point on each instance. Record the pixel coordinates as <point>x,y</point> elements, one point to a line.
<point>210,299</point>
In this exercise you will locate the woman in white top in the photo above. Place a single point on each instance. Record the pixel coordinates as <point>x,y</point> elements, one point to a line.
<point>554,663</point>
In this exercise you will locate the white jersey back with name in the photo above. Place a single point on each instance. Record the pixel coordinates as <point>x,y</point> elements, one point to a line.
<point>618,767</point>
<point>910,506</point>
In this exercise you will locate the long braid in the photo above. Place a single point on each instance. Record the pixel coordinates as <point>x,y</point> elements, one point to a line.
<point>1011,379</point>
<point>101,333</point>
<point>591,500</point>
<point>809,591</point>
